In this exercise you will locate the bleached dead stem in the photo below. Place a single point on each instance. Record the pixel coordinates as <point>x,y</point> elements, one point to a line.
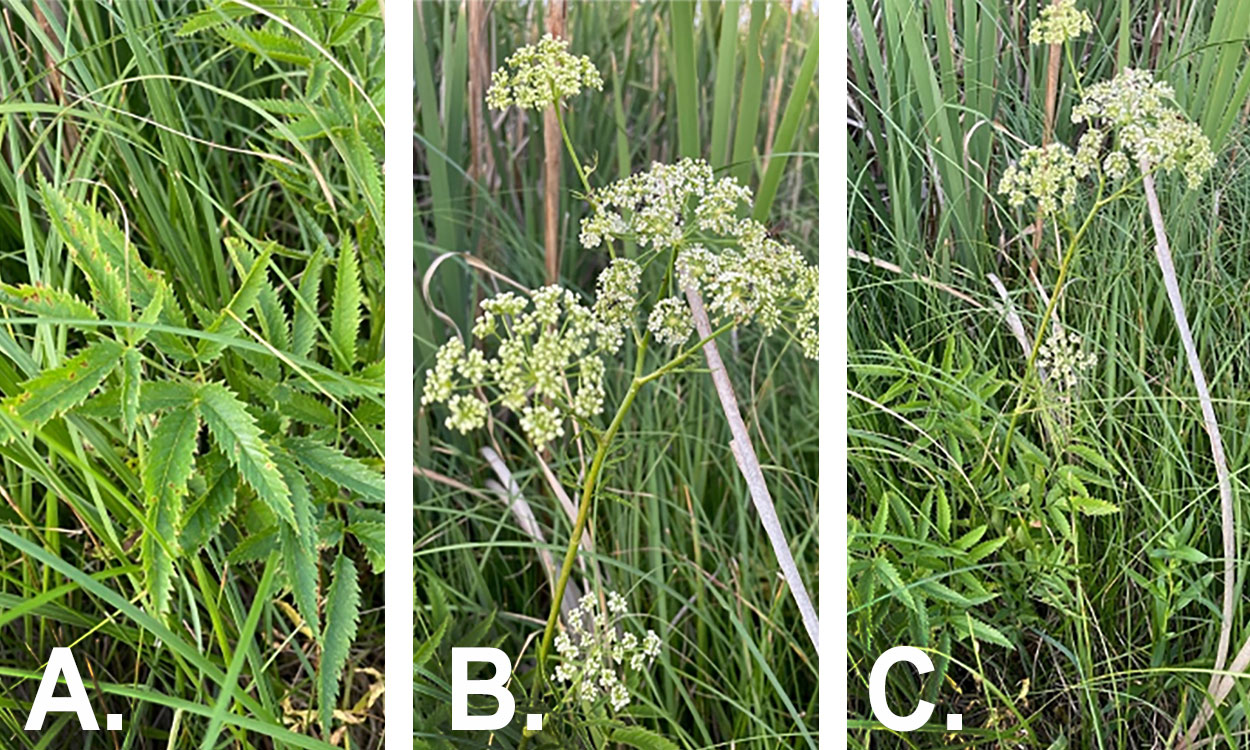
<point>749,465</point>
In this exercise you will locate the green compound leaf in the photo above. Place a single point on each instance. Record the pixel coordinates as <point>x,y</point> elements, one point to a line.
<point>166,469</point>
<point>304,329</point>
<point>1092,506</point>
<point>299,545</point>
<point>364,166</point>
<point>342,614</point>
<point>241,304</point>
<point>642,739</point>
<point>345,312</point>
<point>338,468</point>
<point>53,392</point>
<point>372,536</point>
<point>267,45</point>
<point>218,14</point>
<point>131,388</point>
<point>45,301</point>
<point>208,513</point>
<point>240,440</point>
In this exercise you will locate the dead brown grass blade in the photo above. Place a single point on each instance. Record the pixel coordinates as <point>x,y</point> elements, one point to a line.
<point>557,11</point>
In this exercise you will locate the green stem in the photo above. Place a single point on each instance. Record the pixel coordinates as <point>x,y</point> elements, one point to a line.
<point>568,146</point>
<point>583,512</point>
<point>668,367</point>
<point>1029,368</point>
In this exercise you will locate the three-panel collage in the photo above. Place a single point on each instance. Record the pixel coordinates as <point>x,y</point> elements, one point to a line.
<point>596,226</point>
<point>604,374</point>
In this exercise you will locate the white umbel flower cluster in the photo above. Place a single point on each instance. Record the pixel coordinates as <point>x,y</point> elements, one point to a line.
<point>539,353</point>
<point>749,277</point>
<point>598,655</point>
<point>1064,357</point>
<point>541,75</point>
<point>1059,22</point>
<point>1136,111</point>
<point>1140,110</point>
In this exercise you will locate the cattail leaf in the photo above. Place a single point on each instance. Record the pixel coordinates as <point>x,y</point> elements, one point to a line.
<point>45,301</point>
<point>342,614</point>
<point>642,739</point>
<point>166,468</point>
<point>345,311</point>
<point>240,440</point>
<point>53,392</point>
<point>338,468</point>
<point>299,544</point>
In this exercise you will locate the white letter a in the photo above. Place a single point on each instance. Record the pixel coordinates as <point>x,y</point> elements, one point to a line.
<point>61,662</point>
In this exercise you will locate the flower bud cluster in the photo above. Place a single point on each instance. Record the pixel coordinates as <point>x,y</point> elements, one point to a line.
<point>1059,22</point>
<point>748,277</point>
<point>539,351</point>
<point>1150,129</point>
<point>597,653</point>
<point>1064,357</point>
<point>541,74</point>
<point>1047,174</point>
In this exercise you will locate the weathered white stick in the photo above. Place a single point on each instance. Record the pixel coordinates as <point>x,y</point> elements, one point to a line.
<point>749,465</point>
<point>1220,685</point>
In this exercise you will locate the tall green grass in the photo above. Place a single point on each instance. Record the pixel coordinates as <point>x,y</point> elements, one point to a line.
<point>1091,627</point>
<point>675,532</point>
<point>191,369</point>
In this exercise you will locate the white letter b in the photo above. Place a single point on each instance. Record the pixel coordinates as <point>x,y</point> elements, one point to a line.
<point>462,687</point>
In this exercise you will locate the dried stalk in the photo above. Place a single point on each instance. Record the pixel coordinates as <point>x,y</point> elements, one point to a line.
<point>556,12</point>
<point>1220,685</point>
<point>749,465</point>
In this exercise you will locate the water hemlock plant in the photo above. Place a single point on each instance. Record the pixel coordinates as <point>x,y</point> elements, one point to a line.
<point>1036,460</point>
<point>672,235</point>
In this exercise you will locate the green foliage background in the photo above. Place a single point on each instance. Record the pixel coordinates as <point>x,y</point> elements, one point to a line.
<point>1069,583</point>
<point>191,366</point>
<point>674,530</point>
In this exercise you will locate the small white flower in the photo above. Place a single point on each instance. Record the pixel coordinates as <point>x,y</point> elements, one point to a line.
<point>670,321</point>
<point>468,413</point>
<point>1063,356</point>
<point>537,76</point>
<point>619,697</point>
<point>616,603</point>
<point>1059,22</point>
